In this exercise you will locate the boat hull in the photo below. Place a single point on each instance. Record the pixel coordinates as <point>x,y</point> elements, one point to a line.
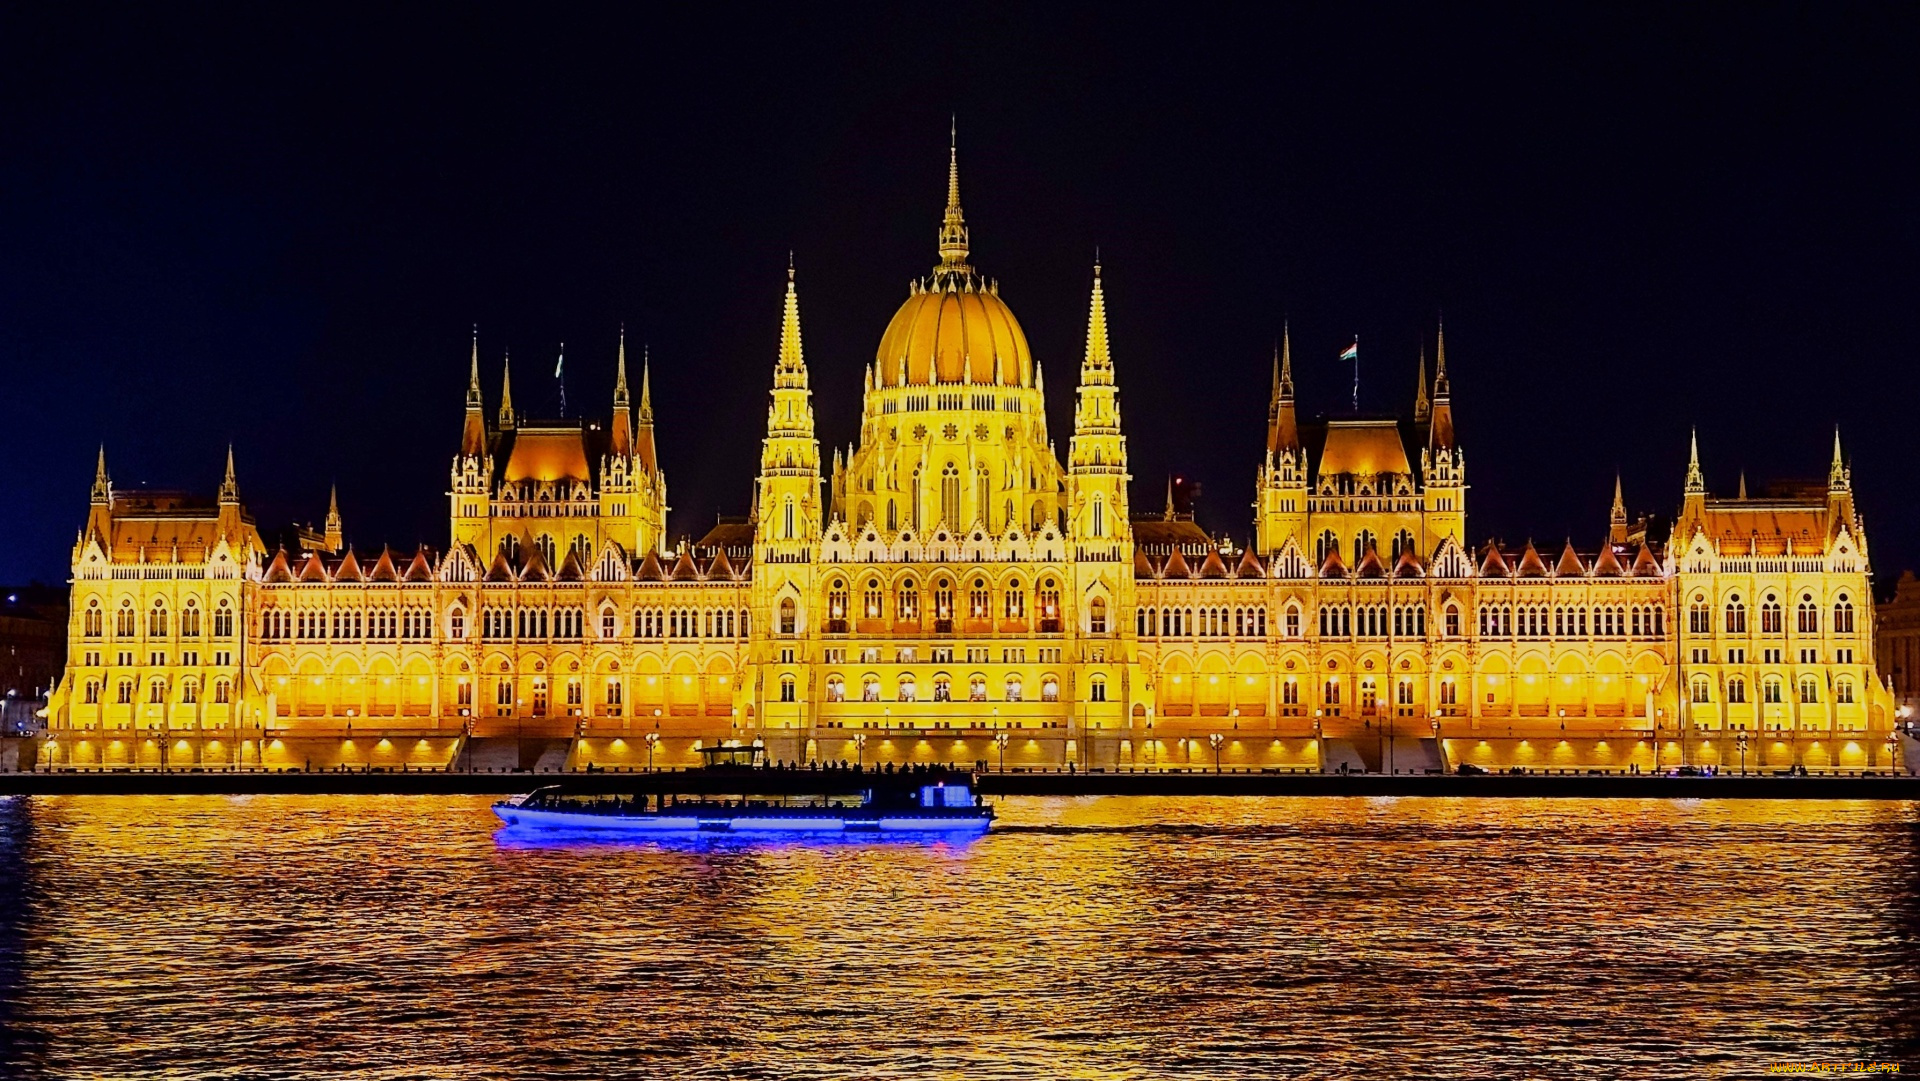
<point>745,822</point>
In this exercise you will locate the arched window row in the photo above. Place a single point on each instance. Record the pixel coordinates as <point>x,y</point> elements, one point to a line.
<point>695,623</point>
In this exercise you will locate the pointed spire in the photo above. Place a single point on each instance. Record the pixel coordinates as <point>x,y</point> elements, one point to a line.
<point>620,435</point>
<point>1696,482</point>
<point>791,370</point>
<point>473,434</point>
<point>1099,351</point>
<point>1838,479</point>
<point>953,266</point>
<point>1283,428</point>
<point>1743,485</point>
<point>1617,515</point>
<point>229,488</point>
<point>620,372</point>
<point>102,486</point>
<point>506,392</point>
<point>1440,434</point>
<point>1421,409</point>
<point>1169,511</point>
<point>473,373</point>
<point>334,542</point>
<point>646,385</point>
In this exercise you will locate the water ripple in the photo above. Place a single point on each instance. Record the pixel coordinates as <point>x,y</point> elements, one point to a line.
<point>407,938</point>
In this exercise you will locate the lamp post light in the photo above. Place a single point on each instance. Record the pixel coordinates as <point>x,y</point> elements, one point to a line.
<point>653,740</point>
<point>1001,739</point>
<point>1214,741</point>
<point>860,749</point>
<point>1740,741</point>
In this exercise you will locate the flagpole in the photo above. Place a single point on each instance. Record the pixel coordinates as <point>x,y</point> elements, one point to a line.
<point>1356,375</point>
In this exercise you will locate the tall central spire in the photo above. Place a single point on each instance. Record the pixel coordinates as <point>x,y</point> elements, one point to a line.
<point>953,230</point>
<point>1098,366</point>
<point>791,370</point>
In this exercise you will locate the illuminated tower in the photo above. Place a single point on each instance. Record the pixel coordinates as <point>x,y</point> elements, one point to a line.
<point>1280,512</point>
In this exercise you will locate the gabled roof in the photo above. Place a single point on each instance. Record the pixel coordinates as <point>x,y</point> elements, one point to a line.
<point>1363,448</point>
<point>1644,563</point>
<point>1493,564</point>
<point>1608,565</point>
<point>727,535</point>
<point>1141,568</point>
<point>1214,567</point>
<point>683,568</point>
<point>1531,565</point>
<point>1334,566</point>
<point>1175,566</point>
<point>348,569</point>
<point>501,571</point>
<point>1370,564</point>
<point>535,568</point>
<point>721,567</point>
<point>383,568</point>
<point>279,570</point>
<point>1156,533</point>
<point>1408,565</point>
<point>313,570</point>
<point>1250,566</point>
<point>570,570</point>
<point>1569,565</point>
<point>650,568</point>
<point>420,568</point>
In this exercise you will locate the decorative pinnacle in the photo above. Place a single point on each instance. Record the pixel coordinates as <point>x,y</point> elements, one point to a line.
<point>1696,482</point>
<point>646,384</point>
<point>506,390</point>
<point>473,372</point>
<point>1441,389</point>
<point>1619,513</point>
<point>102,487</point>
<point>1837,478</point>
<point>1421,410</point>
<point>620,372</point>
<point>229,488</point>
<point>1286,361</point>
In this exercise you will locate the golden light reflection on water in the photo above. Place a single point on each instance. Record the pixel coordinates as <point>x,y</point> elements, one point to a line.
<point>401,937</point>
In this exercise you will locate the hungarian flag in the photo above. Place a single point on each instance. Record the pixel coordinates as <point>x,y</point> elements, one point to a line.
<point>1351,352</point>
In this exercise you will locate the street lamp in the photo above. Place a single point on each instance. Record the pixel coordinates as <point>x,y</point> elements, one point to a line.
<point>653,740</point>
<point>860,749</point>
<point>1001,739</point>
<point>1740,741</point>
<point>1215,740</point>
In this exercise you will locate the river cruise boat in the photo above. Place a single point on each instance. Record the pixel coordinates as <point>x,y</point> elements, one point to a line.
<point>758,799</point>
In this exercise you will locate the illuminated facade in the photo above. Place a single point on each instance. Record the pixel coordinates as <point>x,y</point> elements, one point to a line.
<point>950,589</point>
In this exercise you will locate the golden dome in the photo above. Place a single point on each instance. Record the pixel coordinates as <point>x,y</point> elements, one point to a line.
<point>943,332</point>
<point>953,326</point>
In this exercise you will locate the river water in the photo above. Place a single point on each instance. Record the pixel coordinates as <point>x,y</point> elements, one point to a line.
<point>399,937</point>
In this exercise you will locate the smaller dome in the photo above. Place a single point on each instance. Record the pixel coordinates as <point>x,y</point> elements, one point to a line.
<point>944,332</point>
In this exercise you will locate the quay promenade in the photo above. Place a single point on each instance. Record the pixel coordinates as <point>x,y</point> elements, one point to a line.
<point>992,783</point>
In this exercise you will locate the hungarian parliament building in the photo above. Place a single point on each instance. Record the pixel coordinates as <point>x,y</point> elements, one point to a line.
<point>949,589</point>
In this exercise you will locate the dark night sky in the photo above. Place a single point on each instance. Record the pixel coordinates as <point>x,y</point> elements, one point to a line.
<point>279,234</point>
